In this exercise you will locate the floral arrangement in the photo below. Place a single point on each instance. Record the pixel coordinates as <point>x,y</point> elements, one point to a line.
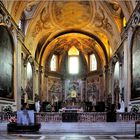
<point>13,119</point>
<point>7,109</point>
<point>135,108</point>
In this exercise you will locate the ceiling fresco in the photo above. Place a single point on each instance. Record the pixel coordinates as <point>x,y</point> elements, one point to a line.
<point>84,44</point>
<point>46,20</point>
<point>71,14</point>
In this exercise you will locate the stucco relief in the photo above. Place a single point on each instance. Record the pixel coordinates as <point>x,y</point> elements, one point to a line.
<point>102,22</point>
<point>69,14</point>
<point>5,19</point>
<point>17,6</point>
<point>1,18</point>
<point>129,7</point>
<point>42,23</point>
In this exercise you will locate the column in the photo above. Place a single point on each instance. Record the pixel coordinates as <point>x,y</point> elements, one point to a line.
<point>120,82</point>
<point>34,83</point>
<point>47,96</point>
<point>127,68</point>
<point>17,77</point>
<point>106,82</point>
<point>112,84</point>
<point>41,83</point>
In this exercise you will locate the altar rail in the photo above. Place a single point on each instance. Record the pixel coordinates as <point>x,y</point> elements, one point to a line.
<point>82,117</point>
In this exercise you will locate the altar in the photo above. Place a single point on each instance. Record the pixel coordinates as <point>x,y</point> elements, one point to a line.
<point>71,109</point>
<point>70,114</point>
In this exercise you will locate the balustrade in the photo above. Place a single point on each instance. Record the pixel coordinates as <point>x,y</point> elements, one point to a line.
<point>82,117</point>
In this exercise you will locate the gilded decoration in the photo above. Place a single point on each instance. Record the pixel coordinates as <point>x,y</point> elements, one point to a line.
<point>42,23</point>
<point>17,6</point>
<point>116,11</point>
<point>102,21</point>
<point>71,14</point>
<point>38,28</point>
<point>83,44</point>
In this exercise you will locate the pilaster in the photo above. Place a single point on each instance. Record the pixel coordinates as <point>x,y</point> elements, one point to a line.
<point>127,67</point>
<point>18,72</point>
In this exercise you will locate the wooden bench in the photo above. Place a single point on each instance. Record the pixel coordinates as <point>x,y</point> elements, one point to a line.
<point>14,127</point>
<point>26,122</point>
<point>136,124</point>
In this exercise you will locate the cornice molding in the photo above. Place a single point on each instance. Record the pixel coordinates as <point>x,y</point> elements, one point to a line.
<point>133,21</point>
<point>6,19</point>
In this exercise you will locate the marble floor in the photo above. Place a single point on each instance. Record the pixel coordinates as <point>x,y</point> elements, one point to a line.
<point>75,131</point>
<point>64,137</point>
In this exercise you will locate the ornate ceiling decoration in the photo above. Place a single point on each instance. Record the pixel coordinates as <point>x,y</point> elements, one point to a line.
<point>52,17</point>
<point>102,21</point>
<point>83,43</point>
<point>71,14</point>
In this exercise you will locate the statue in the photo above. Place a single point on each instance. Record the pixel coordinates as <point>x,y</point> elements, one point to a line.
<point>37,103</point>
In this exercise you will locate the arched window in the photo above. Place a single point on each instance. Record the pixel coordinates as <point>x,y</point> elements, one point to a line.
<point>73,59</point>
<point>53,63</point>
<point>116,71</point>
<point>93,62</point>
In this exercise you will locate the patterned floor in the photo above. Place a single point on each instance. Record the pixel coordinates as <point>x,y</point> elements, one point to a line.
<point>65,137</point>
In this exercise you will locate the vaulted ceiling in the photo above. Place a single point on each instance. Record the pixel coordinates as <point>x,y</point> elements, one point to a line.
<point>53,25</point>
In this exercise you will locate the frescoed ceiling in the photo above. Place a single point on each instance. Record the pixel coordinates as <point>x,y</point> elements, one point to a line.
<point>69,23</point>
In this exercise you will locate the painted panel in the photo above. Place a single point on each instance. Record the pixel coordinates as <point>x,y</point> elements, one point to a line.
<point>136,66</point>
<point>94,87</point>
<point>54,88</point>
<point>6,64</point>
<point>73,89</point>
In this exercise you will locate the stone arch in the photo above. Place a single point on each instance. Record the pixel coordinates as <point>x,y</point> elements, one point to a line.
<point>75,31</point>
